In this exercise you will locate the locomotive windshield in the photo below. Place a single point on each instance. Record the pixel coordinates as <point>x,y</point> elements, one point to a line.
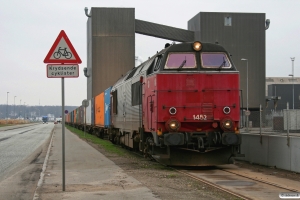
<point>215,60</point>
<point>181,61</point>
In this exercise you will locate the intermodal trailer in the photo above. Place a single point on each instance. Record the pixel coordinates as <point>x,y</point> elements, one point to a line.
<point>107,98</point>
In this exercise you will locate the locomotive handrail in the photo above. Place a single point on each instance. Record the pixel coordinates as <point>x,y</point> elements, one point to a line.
<point>220,90</point>
<point>183,106</point>
<point>205,106</point>
<point>196,90</point>
<point>150,127</point>
<point>174,90</point>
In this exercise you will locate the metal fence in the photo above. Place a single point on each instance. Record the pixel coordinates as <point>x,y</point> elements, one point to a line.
<point>282,121</point>
<point>273,138</point>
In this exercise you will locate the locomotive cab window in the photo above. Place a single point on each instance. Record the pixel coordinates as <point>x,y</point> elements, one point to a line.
<point>215,60</point>
<point>157,62</point>
<point>181,61</point>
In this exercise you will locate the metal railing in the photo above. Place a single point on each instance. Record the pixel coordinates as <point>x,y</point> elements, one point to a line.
<point>285,121</point>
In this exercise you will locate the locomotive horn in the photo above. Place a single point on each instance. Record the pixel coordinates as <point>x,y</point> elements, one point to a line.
<point>86,12</point>
<point>267,23</point>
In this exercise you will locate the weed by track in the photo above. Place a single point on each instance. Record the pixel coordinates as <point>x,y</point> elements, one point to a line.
<point>115,150</point>
<point>105,144</point>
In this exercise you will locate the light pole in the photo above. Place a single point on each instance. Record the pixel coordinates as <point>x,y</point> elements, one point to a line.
<point>20,108</point>
<point>292,75</point>
<point>247,114</point>
<point>6,105</point>
<point>24,110</point>
<point>14,106</point>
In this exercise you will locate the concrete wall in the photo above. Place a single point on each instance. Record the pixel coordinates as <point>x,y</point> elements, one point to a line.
<point>273,151</point>
<point>110,47</point>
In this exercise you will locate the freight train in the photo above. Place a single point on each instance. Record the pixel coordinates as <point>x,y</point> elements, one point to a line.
<point>180,107</point>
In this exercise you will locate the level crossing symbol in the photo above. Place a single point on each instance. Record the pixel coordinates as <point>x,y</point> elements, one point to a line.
<point>62,51</point>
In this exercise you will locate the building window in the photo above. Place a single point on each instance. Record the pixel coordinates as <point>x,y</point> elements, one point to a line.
<point>227,21</point>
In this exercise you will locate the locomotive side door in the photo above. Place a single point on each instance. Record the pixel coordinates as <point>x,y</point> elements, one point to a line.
<point>151,107</point>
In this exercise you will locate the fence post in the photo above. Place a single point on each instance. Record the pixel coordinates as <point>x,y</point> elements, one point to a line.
<point>260,123</point>
<point>287,124</point>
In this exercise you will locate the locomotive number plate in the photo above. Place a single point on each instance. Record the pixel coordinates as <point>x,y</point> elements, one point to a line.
<point>200,117</point>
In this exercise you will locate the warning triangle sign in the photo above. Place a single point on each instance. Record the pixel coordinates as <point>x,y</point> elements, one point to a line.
<point>62,51</point>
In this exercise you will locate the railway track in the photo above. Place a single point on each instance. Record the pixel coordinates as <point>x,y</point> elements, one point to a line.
<point>211,184</point>
<point>263,181</point>
<point>238,183</point>
<point>241,182</point>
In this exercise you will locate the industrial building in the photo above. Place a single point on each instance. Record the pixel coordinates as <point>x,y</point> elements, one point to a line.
<point>111,30</point>
<point>280,91</point>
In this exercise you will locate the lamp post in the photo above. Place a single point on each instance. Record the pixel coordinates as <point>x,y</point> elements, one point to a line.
<point>6,105</point>
<point>14,106</point>
<point>20,108</point>
<point>24,110</point>
<point>292,75</point>
<point>247,114</point>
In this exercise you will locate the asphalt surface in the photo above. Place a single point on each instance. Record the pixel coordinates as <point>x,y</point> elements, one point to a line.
<point>88,173</point>
<point>19,143</point>
<point>22,150</point>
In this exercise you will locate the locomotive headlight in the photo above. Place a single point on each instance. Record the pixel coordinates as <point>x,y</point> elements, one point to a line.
<point>173,125</point>
<point>226,124</point>
<point>226,110</point>
<point>197,46</point>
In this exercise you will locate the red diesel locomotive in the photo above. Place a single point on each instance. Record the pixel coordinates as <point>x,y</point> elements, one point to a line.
<point>181,106</point>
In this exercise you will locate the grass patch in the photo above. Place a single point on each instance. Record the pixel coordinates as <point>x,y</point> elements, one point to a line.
<point>105,144</point>
<point>10,122</point>
<point>171,176</point>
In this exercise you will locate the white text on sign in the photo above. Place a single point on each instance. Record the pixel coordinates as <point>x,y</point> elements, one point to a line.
<point>62,71</point>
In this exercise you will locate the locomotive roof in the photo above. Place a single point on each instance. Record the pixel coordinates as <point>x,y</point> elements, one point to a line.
<point>188,46</point>
<point>180,47</point>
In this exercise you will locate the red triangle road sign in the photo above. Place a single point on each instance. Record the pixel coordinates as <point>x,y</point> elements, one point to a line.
<point>62,51</point>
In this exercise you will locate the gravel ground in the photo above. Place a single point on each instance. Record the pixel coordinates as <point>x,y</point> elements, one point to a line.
<point>165,183</point>
<point>168,184</point>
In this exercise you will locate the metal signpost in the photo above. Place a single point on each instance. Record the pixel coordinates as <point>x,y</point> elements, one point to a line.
<point>64,64</point>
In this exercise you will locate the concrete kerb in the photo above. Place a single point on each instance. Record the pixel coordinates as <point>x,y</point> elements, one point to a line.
<point>40,182</point>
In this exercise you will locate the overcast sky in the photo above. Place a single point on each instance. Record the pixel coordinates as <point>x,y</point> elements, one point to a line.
<point>30,27</point>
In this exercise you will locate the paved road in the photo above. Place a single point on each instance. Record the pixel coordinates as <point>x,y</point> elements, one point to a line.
<point>22,151</point>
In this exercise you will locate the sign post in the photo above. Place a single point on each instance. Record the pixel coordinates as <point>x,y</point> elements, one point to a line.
<point>63,132</point>
<point>62,54</point>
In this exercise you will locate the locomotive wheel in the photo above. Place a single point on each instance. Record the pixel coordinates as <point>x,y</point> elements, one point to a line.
<point>148,148</point>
